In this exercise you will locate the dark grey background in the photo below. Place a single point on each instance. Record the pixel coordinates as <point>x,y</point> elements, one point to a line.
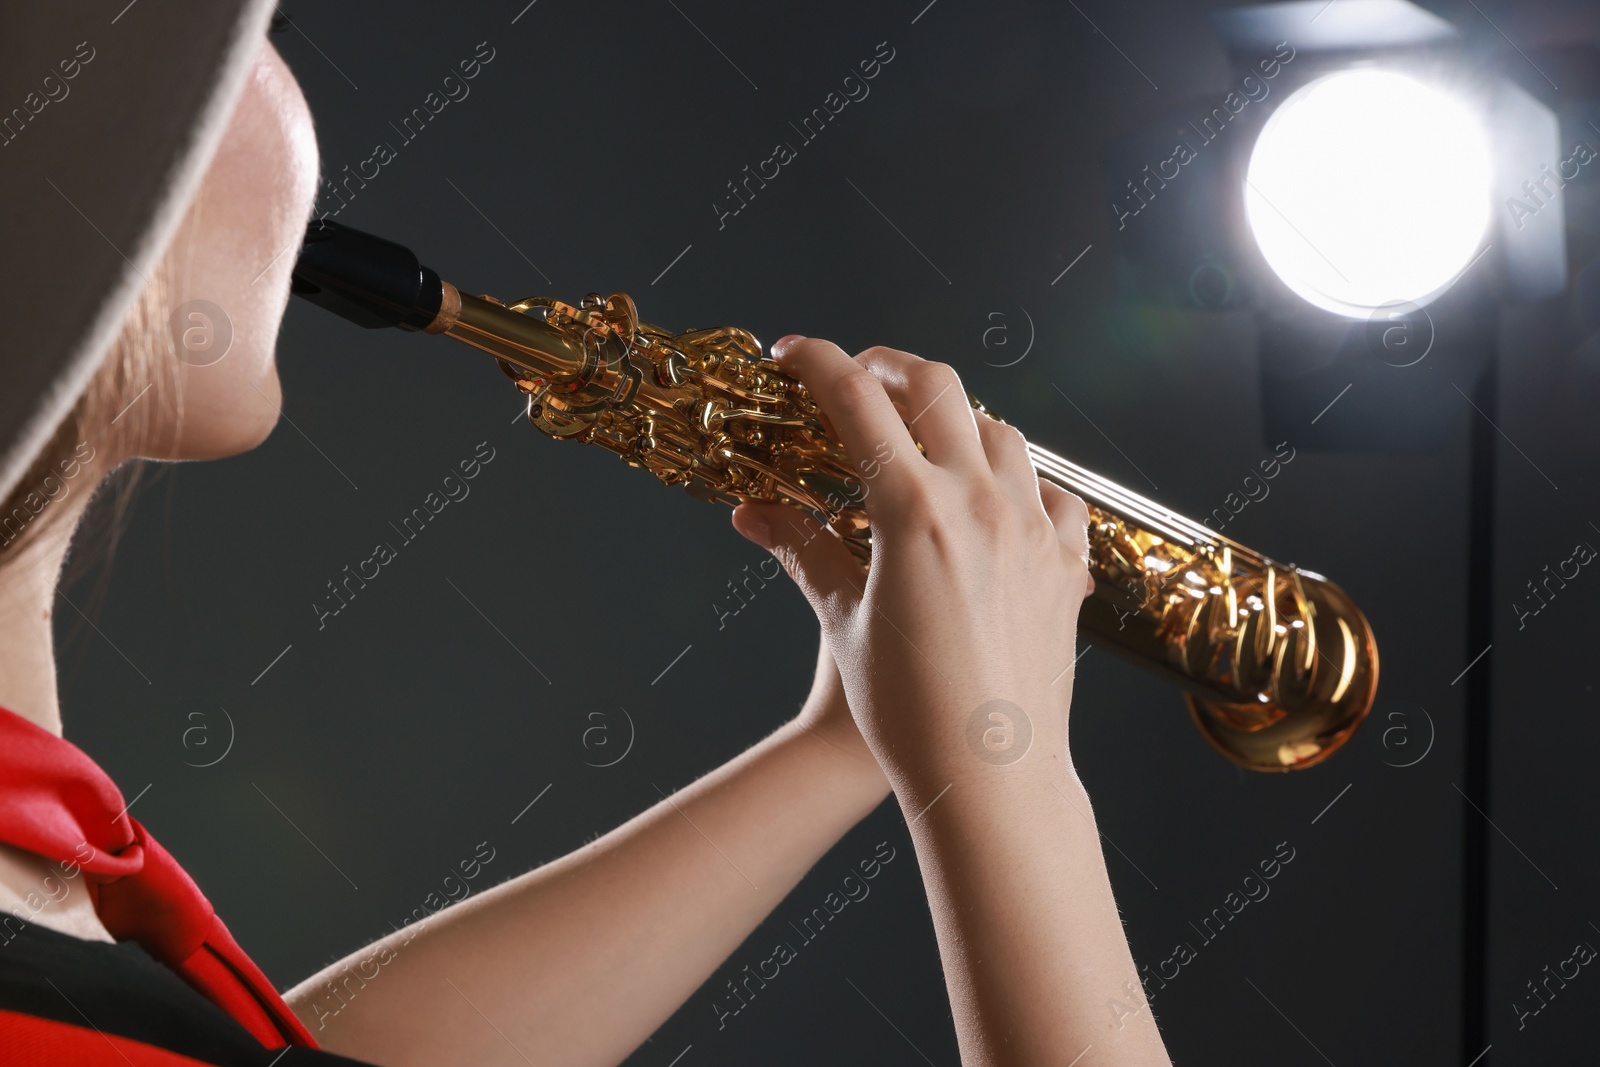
<point>593,145</point>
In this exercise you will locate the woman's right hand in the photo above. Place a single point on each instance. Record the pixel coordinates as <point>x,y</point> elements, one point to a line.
<point>956,649</point>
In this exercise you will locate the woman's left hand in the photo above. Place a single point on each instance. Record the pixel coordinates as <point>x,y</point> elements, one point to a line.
<point>826,712</point>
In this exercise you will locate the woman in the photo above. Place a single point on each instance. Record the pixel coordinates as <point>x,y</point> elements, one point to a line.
<point>972,598</point>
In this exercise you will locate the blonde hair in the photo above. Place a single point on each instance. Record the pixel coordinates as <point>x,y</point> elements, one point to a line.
<point>116,418</point>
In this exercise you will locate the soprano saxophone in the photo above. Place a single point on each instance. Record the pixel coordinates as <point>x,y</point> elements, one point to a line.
<point>1278,665</point>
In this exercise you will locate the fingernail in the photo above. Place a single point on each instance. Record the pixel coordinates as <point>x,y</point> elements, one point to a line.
<point>780,347</point>
<point>755,526</point>
<point>762,529</point>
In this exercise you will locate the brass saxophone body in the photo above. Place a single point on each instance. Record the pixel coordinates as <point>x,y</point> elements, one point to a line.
<point>1278,665</point>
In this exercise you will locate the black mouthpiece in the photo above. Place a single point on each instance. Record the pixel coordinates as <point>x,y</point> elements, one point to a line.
<point>370,281</point>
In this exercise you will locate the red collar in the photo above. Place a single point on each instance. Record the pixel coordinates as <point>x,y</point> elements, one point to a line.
<point>56,802</point>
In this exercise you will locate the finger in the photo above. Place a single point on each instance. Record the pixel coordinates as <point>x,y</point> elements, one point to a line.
<point>1070,516</point>
<point>855,402</point>
<point>933,404</point>
<point>829,576</point>
<point>1007,454</point>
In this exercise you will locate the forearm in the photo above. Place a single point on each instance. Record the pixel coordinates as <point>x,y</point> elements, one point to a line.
<point>1034,956</point>
<point>580,960</point>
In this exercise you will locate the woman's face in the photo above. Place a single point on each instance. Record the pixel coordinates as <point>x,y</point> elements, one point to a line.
<point>228,269</point>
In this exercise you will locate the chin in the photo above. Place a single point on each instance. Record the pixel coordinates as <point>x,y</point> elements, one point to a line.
<point>242,437</point>
<point>224,441</point>
<point>229,421</point>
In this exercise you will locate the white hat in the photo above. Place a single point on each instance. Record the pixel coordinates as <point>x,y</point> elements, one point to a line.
<point>110,112</point>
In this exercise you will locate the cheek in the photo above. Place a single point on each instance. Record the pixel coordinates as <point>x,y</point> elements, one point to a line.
<point>229,268</point>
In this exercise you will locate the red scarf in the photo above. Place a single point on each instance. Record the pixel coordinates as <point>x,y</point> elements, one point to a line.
<point>56,802</point>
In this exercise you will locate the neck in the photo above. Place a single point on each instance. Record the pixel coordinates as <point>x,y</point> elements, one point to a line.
<point>32,888</point>
<point>28,583</point>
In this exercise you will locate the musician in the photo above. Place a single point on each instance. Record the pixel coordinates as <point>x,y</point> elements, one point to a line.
<point>110,954</point>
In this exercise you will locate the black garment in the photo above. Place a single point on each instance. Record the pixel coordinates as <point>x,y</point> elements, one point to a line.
<point>119,989</point>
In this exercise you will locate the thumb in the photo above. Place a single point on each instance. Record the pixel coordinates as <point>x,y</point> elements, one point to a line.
<point>829,576</point>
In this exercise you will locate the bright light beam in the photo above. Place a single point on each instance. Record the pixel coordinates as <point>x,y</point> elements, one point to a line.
<point>1368,187</point>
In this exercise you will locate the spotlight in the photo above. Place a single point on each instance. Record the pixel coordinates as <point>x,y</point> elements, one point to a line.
<point>1369,188</point>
